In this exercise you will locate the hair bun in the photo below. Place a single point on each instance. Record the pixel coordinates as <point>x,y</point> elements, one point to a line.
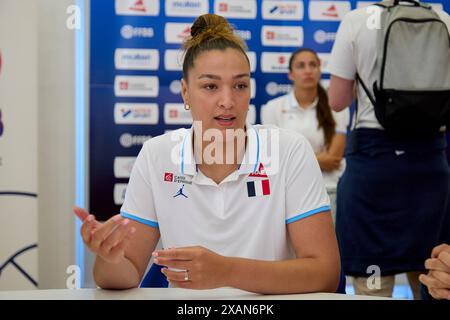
<point>210,24</point>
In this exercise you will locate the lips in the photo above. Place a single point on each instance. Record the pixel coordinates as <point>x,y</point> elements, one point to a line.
<point>225,120</point>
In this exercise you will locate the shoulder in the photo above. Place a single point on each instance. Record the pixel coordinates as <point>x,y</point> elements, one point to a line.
<point>284,139</point>
<point>277,102</point>
<point>444,17</point>
<point>360,15</point>
<point>165,143</point>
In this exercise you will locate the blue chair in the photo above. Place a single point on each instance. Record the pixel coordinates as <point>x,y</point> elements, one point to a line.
<point>155,279</point>
<point>342,283</point>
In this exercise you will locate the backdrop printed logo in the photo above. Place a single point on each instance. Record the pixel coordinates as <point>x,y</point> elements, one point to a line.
<point>136,86</point>
<point>321,36</point>
<point>273,88</point>
<point>120,190</point>
<point>136,113</point>
<point>175,87</point>
<point>176,32</point>
<point>244,34</point>
<point>328,10</point>
<point>136,59</point>
<point>186,8</point>
<point>275,62</point>
<point>173,59</point>
<point>128,140</point>
<point>137,7</point>
<point>129,32</point>
<point>236,9</point>
<point>282,36</point>
<point>174,113</point>
<point>123,166</point>
<point>282,10</point>
<point>324,59</point>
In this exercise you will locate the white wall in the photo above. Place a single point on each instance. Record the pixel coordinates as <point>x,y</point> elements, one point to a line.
<point>18,144</point>
<point>56,139</point>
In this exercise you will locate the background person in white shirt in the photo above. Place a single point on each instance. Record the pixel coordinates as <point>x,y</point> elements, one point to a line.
<point>226,225</point>
<point>394,188</point>
<point>306,110</point>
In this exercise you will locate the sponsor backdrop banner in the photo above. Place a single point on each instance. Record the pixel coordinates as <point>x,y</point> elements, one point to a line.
<point>18,145</point>
<point>135,65</point>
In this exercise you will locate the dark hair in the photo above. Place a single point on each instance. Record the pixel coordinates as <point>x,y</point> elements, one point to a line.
<point>210,32</point>
<point>324,115</point>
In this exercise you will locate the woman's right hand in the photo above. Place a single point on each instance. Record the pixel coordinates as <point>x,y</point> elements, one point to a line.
<point>107,240</point>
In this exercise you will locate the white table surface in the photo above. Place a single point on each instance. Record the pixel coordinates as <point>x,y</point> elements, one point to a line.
<point>167,294</point>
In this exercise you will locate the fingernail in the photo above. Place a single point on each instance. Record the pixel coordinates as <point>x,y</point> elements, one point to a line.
<point>132,230</point>
<point>125,222</point>
<point>90,218</point>
<point>155,254</point>
<point>117,218</point>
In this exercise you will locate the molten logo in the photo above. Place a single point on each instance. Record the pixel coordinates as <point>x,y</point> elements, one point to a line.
<point>138,6</point>
<point>331,12</point>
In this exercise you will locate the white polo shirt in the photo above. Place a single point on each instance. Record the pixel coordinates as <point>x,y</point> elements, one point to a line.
<point>243,216</point>
<point>285,112</point>
<point>354,51</point>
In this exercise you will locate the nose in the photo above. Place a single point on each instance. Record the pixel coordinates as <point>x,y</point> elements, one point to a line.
<point>226,100</point>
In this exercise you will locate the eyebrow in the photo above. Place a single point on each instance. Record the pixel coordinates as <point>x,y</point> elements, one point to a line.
<point>216,77</point>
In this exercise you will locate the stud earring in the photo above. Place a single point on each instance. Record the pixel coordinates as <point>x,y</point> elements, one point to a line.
<point>187,107</point>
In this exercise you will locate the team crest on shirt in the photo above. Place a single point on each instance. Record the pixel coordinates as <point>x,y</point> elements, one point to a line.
<point>170,177</point>
<point>261,187</point>
<point>260,173</point>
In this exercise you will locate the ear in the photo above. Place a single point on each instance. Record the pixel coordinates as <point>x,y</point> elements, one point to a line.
<point>290,77</point>
<point>184,91</point>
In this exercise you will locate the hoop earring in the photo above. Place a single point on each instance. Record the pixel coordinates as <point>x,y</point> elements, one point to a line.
<point>187,107</point>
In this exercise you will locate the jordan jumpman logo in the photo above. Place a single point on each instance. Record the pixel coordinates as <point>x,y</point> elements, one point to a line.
<point>180,193</point>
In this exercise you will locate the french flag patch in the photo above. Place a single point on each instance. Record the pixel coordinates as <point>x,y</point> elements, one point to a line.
<point>258,188</point>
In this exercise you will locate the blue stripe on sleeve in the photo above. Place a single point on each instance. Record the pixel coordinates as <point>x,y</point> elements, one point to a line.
<point>307,214</point>
<point>143,221</point>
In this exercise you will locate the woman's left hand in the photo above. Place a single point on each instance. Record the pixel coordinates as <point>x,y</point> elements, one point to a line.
<point>198,267</point>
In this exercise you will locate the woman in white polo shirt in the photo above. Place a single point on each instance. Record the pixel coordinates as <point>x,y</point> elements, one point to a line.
<point>306,110</point>
<point>248,211</point>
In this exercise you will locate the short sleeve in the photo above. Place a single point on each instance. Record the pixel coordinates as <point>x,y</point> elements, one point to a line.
<point>305,190</point>
<point>139,202</point>
<point>342,62</point>
<point>342,120</point>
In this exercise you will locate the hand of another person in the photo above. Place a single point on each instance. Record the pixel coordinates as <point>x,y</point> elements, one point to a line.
<point>198,267</point>
<point>107,240</point>
<point>328,162</point>
<point>438,278</point>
